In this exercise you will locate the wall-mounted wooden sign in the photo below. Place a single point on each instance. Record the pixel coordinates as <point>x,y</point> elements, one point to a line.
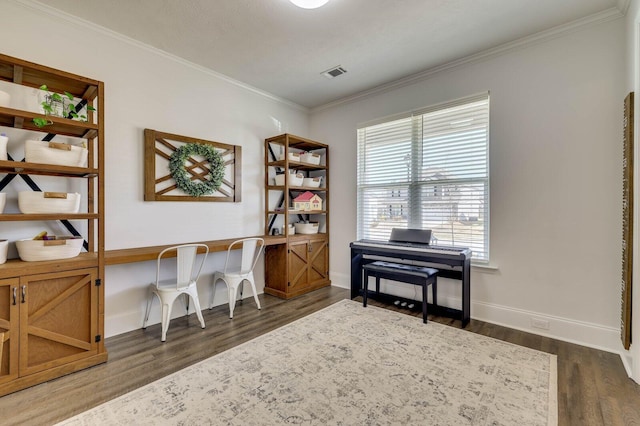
<point>627,221</point>
<point>159,183</point>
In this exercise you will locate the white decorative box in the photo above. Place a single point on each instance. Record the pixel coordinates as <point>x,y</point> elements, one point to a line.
<point>60,248</point>
<point>295,179</point>
<point>310,158</point>
<point>312,182</point>
<point>61,154</point>
<point>307,228</point>
<point>32,202</point>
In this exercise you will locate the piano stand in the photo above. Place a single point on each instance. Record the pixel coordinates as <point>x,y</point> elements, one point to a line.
<point>416,275</point>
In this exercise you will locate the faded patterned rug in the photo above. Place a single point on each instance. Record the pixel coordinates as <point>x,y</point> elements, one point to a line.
<point>349,365</point>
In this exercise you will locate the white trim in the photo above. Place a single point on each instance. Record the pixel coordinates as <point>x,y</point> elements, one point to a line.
<point>522,43</point>
<point>565,329</point>
<point>41,7</point>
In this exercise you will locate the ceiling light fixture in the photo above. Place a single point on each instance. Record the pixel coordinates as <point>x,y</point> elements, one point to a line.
<point>309,4</point>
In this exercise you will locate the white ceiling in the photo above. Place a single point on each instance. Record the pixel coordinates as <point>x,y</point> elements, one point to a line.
<point>279,48</point>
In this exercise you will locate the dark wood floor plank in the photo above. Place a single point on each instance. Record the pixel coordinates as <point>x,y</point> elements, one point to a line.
<point>593,388</point>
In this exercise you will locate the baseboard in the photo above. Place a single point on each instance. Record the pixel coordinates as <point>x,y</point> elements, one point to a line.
<point>568,330</point>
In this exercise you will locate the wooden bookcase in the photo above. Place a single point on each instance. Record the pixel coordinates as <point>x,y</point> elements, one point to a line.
<point>52,312</point>
<point>301,265</point>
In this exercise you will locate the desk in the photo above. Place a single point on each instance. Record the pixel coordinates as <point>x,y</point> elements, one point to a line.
<point>141,254</point>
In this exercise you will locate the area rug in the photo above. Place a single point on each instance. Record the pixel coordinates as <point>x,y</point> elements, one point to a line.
<point>349,365</point>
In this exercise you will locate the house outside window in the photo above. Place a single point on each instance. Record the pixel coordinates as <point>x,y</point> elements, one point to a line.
<point>428,169</point>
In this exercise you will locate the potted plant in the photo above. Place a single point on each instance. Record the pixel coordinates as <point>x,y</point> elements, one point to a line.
<point>59,105</point>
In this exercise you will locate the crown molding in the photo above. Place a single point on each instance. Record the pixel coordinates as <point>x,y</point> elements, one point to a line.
<point>58,14</point>
<point>623,6</point>
<point>522,43</point>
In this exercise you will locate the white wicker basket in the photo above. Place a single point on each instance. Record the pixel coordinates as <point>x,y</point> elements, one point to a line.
<point>307,228</point>
<point>31,202</point>
<point>60,248</point>
<point>60,154</point>
<point>312,182</point>
<point>293,156</point>
<point>295,179</point>
<point>310,158</point>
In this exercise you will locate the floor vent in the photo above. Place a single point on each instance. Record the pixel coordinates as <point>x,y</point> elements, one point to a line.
<point>334,72</point>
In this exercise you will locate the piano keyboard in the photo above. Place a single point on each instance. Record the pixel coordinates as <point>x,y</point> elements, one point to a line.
<point>411,247</point>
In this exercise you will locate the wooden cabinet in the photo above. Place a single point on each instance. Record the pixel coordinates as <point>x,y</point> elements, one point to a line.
<point>52,312</point>
<point>302,265</point>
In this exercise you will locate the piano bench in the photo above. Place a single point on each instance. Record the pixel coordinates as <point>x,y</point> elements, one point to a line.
<point>410,274</point>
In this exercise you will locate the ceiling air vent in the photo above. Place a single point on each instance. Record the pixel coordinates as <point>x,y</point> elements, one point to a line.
<point>334,72</point>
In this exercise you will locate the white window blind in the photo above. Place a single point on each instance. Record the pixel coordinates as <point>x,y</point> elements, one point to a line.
<point>428,170</point>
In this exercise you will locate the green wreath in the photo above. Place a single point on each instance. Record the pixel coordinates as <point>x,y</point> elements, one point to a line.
<point>182,177</point>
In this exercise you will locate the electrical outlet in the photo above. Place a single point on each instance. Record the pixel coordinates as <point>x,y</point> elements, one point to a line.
<point>539,323</point>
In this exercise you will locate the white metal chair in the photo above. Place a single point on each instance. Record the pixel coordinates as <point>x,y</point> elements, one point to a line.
<point>185,283</point>
<point>235,277</point>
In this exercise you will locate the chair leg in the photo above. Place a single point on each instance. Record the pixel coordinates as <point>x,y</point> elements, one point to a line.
<point>241,289</point>
<point>213,292</point>
<point>186,304</point>
<point>166,317</point>
<point>196,305</point>
<point>233,292</point>
<point>255,293</point>
<point>150,298</point>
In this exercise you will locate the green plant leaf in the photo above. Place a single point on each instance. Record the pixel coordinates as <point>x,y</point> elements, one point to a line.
<point>41,122</point>
<point>68,95</point>
<point>90,108</point>
<point>56,97</point>
<point>44,87</point>
<point>47,108</point>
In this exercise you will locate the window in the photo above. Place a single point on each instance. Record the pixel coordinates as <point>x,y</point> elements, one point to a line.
<point>428,169</point>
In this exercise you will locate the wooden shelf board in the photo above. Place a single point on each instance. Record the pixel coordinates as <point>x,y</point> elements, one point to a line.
<point>20,167</point>
<point>30,74</point>
<point>16,118</point>
<point>297,165</point>
<point>17,267</point>
<point>48,216</point>
<point>140,254</point>
<point>295,188</point>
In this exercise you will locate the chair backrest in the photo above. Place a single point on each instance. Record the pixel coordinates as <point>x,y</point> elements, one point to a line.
<point>251,249</point>
<point>185,262</point>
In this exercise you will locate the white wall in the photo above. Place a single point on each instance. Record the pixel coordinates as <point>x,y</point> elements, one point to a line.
<point>145,88</point>
<point>633,85</point>
<point>555,155</point>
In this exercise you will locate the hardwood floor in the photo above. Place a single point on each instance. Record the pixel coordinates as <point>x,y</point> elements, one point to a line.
<point>593,388</point>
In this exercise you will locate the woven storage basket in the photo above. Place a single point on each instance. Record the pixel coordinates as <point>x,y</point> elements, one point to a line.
<point>307,228</point>
<point>60,154</point>
<point>310,158</point>
<point>293,156</point>
<point>295,179</point>
<point>60,248</point>
<point>312,182</point>
<point>31,202</point>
